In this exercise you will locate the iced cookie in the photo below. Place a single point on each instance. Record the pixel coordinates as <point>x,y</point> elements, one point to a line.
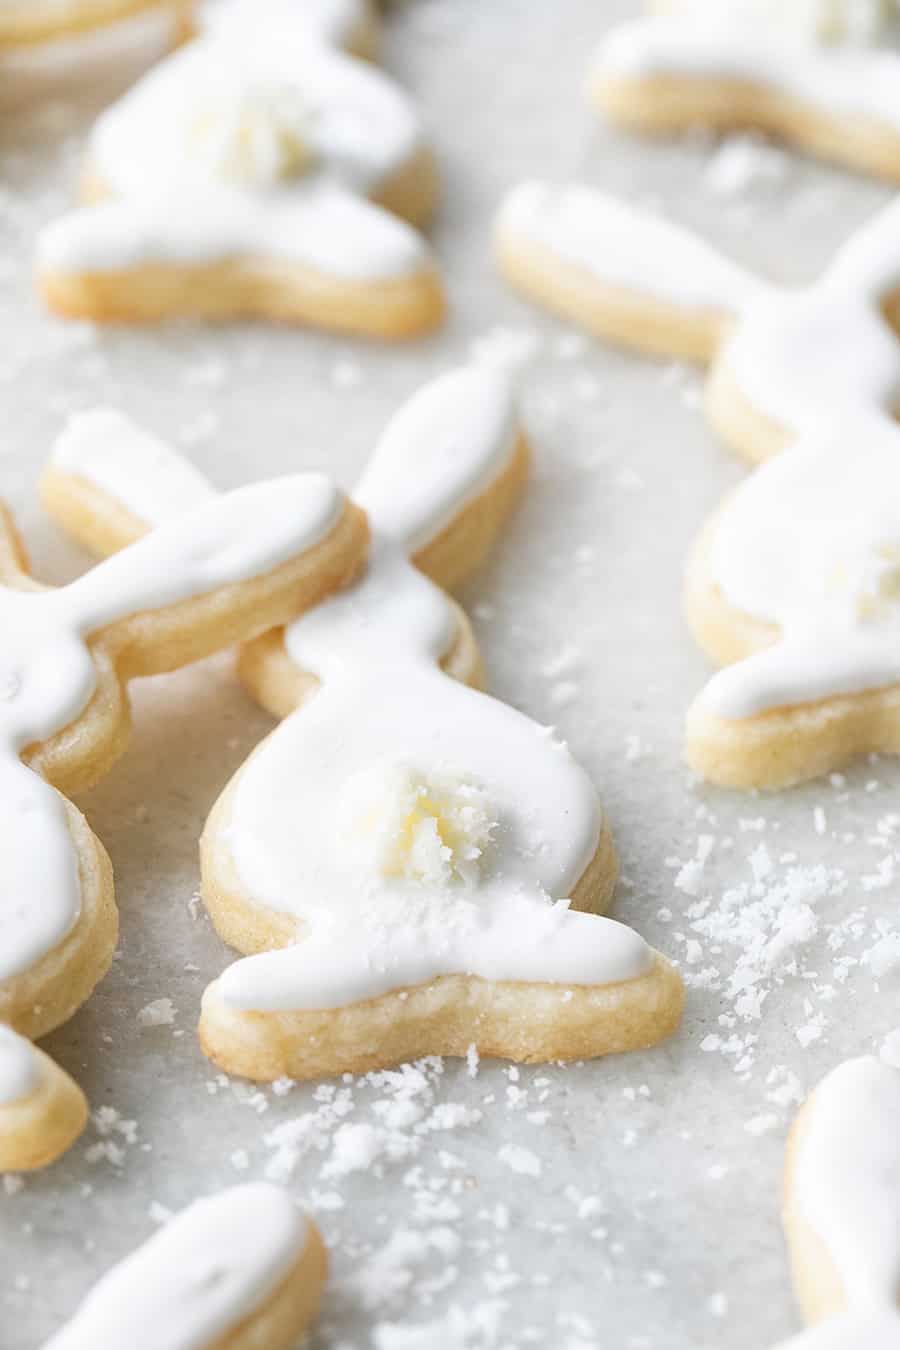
<point>200,583</point>
<point>842,1201</point>
<point>805,70</point>
<point>261,171</point>
<point>412,866</point>
<point>241,1270</point>
<point>795,581</point>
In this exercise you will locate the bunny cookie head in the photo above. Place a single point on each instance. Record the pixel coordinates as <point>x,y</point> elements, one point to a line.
<point>795,579</point>
<point>197,585</point>
<point>842,1196</point>
<point>405,858</point>
<point>808,71</point>
<point>240,1269</point>
<point>259,171</point>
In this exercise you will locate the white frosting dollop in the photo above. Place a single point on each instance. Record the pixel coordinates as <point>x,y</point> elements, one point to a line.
<point>428,826</point>
<point>257,136</point>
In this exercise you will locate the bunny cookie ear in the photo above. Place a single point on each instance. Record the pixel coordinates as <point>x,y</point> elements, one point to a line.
<point>25,26</point>
<point>108,481</point>
<point>211,577</point>
<point>457,441</point>
<point>240,1269</point>
<point>621,273</point>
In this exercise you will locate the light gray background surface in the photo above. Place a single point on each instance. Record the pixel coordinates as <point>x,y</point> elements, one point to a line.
<point>653,1221</point>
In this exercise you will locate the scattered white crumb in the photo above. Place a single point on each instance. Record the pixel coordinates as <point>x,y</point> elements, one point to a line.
<point>761,1124</point>
<point>159,1013</point>
<point>520,1159</point>
<point>743,163</point>
<point>506,348</point>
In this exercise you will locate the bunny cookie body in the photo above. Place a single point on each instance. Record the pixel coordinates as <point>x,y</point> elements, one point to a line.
<point>259,171</point>
<point>404,857</point>
<point>196,586</point>
<point>235,1271</point>
<point>809,71</point>
<point>794,580</point>
<point>841,1205</point>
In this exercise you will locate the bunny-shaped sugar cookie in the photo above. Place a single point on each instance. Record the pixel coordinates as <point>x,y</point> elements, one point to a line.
<point>231,568</point>
<point>241,1270</point>
<point>260,171</point>
<point>404,857</point>
<point>842,1201</point>
<point>796,579</point>
<point>808,71</point>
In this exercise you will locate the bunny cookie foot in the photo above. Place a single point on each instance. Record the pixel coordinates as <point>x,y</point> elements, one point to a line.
<point>530,1023</point>
<point>287,293</point>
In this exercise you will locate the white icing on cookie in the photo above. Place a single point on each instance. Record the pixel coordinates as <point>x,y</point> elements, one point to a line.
<point>47,673</point>
<point>258,141</point>
<point>852,81</point>
<point>211,1267</point>
<point>377,656</point>
<point>623,246</point>
<point>304,831</point>
<point>18,1067</point>
<point>135,468</point>
<point>846,1178</point>
<point>439,452</point>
